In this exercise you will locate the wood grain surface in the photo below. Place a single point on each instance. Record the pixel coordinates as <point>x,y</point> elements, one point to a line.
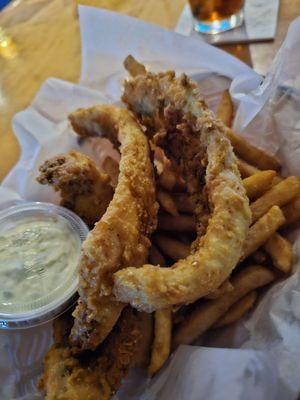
<point>45,34</point>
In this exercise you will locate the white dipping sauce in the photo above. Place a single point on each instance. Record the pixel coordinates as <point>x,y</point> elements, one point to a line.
<point>37,257</point>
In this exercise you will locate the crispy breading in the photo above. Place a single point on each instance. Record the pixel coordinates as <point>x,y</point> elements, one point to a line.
<point>121,237</point>
<point>92,375</point>
<point>83,188</point>
<point>178,120</point>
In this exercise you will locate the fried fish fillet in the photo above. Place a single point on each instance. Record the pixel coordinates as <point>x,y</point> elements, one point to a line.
<point>83,188</point>
<point>178,120</point>
<point>121,237</point>
<point>93,375</point>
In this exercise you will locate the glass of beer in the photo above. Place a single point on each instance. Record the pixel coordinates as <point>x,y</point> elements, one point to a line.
<point>216,16</point>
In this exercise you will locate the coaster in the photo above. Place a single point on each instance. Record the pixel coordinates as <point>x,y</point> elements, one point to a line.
<point>260,24</point>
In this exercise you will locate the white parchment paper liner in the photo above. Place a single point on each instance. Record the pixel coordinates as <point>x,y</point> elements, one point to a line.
<point>258,358</point>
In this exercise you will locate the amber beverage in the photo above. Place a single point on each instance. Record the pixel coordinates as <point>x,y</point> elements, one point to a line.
<point>215,16</point>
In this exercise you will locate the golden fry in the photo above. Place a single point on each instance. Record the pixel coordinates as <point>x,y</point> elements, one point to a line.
<point>292,211</point>
<point>167,203</point>
<point>183,202</point>
<point>253,155</point>
<point>281,252</point>
<point>172,247</point>
<point>155,256</point>
<point>169,180</point>
<point>237,310</point>
<point>278,195</point>
<point>225,109</point>
<point>142,356</point>
<point>246,169</point>
<point>262,230</point>
<point>259,256</point>
<point>256,185</point>
<point>207,313</point>
<point>224,288</point>
<point>181,223</point>
<point>133,66</point>
<point>162,339</point>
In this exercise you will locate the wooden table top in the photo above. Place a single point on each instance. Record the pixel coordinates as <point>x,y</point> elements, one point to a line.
<point>46,38</point>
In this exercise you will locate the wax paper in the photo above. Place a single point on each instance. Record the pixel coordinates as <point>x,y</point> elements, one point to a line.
<point>257,358</point>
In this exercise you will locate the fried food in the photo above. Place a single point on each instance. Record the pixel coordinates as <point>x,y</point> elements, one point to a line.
<point>171,247</point>
<point>142,355</point>
<point>246,169</point>
<point>257,184</point>
<point>83,188</point>
<point>181,223</point>
<point>278,195</point>
<point>111,167</point>
<point>225,109</point>
<point>178,120</point>
<point>262,230</point>
<point>183,202</point>
<point>242,147</point>
<point>161,346</point>
<point>121,237</point>
<point>92,375</point>
<point>166,201</point>
<point>281,252</point>
<point>292,211</point>
<point>224,288</point>
<point>155,256</point>
<point>207,313</point>
<point>251,154</point>
<point>237,311</point>
<point>169,180</point>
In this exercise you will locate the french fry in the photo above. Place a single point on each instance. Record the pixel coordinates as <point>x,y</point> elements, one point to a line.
<point>246,169</point>
<point>167,202</point>
<point>277,179</point>
<point>236,311</point>
<point>253,155</point>
<point>278,195</point>
<point>292,211</point>
<point>259,256</point>
<point>257,184</point>
<point>281,252</point>
<point>169,180</point>
<point>224,288</point>
<point>225,109</point>
<point>133,66</point>
<point>142,356</point>
<point>183,202</point>
<point>161,346</point>
<point>207,313</point>
<point>181,223</point>
<point>155,256</point>
<point>262,230</point>
<point>172,247</point>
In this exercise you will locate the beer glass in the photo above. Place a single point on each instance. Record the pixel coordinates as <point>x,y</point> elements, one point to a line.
<point>216,16</point>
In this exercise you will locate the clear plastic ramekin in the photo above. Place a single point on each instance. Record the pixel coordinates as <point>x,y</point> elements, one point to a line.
<point>19,314</point>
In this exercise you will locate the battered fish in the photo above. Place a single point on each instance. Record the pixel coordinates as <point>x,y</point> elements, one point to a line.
<point>83,188</point>
<point>92,375</point>
<point>121,237</point>
<point>178,120</point>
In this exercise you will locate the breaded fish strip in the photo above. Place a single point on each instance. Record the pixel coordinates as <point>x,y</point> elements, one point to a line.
<point>94,375</point>
<point>172,109</point>
<point>121,237</point>
<point>83,188</point>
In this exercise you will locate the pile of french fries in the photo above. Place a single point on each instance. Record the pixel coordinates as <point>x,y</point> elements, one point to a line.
<point>267,254</point>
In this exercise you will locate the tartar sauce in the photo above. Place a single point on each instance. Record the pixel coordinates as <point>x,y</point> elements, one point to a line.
<point>37,256</point>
